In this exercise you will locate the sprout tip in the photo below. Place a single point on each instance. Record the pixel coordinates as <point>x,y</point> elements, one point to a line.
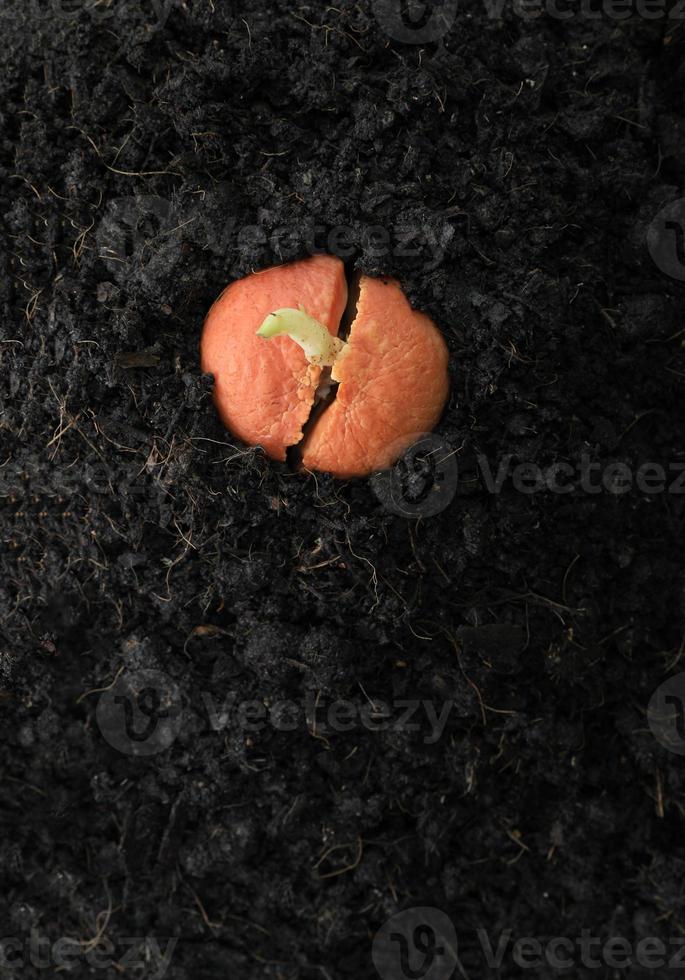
<point>320,347</point>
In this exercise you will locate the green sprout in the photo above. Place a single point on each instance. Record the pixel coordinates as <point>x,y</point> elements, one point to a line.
<point>319,346</point>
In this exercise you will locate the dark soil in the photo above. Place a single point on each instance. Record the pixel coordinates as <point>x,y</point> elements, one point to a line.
<point>149,156</point>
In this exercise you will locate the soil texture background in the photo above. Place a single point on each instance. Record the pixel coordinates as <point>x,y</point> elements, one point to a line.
<point>154,570</point>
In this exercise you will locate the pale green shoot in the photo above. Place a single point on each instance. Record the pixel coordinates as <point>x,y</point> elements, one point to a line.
<point>319,346</point>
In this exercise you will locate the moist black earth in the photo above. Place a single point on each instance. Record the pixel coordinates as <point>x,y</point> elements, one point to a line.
<point>182,617</point>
